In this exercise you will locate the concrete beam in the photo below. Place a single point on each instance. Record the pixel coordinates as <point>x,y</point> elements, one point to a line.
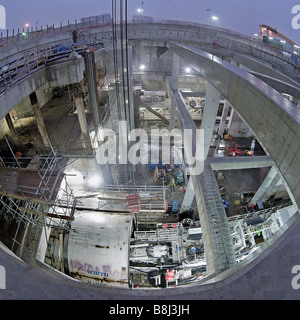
<point>268,186</point>
<point>240,163</point>
<point>263,68</point>
<point>214,224</point>
<point>279,85</point>
<point>273,118</point>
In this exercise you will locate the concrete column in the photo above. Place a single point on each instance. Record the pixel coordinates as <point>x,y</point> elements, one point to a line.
<point>12,130</point>
<point>41,124</point>
<point>173,85</point>
<point>298,105</point>
<point>223,119</point>
<point>173,115</point>
<point>212,99</point>
<point>83,125</point>
<point>188,196</point>
<point>269,186</point>
<point>90,68</point>
<point>175,72</point>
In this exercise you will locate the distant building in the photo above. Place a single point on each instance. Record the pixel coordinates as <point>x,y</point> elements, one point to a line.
<point>2,17</point>
<point>142,19</point>
<point>101,19</point>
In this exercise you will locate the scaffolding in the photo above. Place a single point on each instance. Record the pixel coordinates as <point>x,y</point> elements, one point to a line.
<point>35,197</point>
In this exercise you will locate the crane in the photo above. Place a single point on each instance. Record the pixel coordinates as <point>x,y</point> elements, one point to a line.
<point>272,32</point>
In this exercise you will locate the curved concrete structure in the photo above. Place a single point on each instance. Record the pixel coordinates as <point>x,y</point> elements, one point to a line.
<point>276,123</point>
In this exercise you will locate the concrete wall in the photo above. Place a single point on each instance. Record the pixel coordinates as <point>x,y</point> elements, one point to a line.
<point>269,276</point>
<point>152,35</point>
<point>201,35</point>
<point>55,76</point>
<point>18,48</point>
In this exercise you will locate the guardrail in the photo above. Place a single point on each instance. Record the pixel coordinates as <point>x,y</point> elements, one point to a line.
<point>34,61</point>
<point>73,27</point>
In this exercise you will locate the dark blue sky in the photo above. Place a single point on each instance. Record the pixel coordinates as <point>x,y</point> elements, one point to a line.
<point>243,16</point>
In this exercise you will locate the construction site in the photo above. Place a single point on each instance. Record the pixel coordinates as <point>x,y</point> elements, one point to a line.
<point>76,108</point>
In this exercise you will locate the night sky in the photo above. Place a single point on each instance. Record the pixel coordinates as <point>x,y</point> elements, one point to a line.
<point>243,16</point>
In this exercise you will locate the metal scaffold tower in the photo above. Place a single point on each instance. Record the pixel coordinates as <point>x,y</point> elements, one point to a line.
<point>36,196</point>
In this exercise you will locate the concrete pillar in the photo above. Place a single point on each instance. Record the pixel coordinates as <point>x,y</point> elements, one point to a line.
<point>298,105</point>
<point>173,85</point>
<point>223,119</point>
<point>212,99</point>
<point>90,68</point>
<point>172,116</point>
<point>12,130</point>
<point>270,185</point>
<point>136,104</point>
<point>188,196</point>
<point>175,71</point>
<point>83,125</point>
<point>41,124</point>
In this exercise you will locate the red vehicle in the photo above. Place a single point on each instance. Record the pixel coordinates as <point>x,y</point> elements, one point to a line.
<point>238,152</point>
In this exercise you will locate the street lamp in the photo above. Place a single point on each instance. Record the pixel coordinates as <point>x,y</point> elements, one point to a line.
<point>215,18</point>
<point>141,10</point>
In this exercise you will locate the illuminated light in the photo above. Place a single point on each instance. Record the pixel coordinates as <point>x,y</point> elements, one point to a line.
<point>188,70</point>
<point>282,41</point>
<point>271,38</point>
<point>215,18</point>
<point>94,181</point>
<point>142,67</point>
